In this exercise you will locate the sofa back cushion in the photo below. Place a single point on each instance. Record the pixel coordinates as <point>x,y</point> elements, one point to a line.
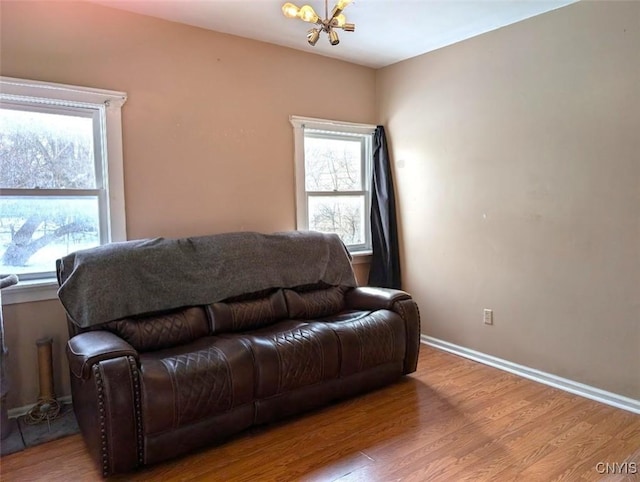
<point>307,305</point>
<point>164,330</point>
<point>247,312</point>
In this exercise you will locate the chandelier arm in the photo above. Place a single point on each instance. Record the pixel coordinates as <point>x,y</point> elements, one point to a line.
<point>317,22</point>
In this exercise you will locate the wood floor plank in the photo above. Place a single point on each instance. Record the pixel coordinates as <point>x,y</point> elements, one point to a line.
<point>452,420</point>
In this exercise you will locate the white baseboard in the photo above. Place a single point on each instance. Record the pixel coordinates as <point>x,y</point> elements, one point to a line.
<point>20,411</point>
<point>587,391</point>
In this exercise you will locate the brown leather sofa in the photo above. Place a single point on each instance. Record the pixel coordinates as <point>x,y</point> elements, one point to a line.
<point>155,386</point>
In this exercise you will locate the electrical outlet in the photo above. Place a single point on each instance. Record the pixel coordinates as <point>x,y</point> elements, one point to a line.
<point>488,317</point>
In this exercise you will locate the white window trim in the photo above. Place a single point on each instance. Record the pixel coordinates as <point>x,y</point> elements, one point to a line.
<point>299,124</point>
<point>49,93</point>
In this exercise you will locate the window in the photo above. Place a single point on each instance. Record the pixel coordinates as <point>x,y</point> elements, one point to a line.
<point>333,177</point>
<point>60,176</point>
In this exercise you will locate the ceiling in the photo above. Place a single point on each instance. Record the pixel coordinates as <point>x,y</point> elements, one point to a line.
<point>387,31</point>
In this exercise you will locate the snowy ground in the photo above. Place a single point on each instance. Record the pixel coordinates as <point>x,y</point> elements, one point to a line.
<point>43,261</point>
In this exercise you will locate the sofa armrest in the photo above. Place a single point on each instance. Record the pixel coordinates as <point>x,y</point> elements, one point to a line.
<point>366,298</point>
<point>86,349</point>
<point>108,409</point>
<point>400,302</point>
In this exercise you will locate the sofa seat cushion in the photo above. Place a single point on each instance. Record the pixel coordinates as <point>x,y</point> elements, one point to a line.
<point>289,355</point>
<point>197,380</point>
<point>367,338</point>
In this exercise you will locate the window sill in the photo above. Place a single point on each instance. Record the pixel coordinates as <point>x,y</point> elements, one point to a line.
<point>30,291</point>
<point>361,257</point>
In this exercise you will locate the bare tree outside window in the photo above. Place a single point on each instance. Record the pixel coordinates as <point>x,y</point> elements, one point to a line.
<point>43,156</point>
<point>333,164</point>
<point>342,215</point>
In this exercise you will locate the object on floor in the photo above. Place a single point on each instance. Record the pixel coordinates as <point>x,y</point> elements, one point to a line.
<point>47,408</point>
<point>64,424</point>
<point>5,426</point>
<point>24,435</point>
<point>13,441</point>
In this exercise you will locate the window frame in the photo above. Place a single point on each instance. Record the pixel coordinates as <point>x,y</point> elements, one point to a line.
<point>330,129</point>
<point>105,109</point>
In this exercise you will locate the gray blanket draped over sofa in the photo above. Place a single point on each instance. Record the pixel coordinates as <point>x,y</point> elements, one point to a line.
<point>152,275</point>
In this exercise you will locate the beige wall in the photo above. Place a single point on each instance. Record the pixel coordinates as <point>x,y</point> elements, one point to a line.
<point>516,161</point>
<point>207,142</point>
<point>518,167</point>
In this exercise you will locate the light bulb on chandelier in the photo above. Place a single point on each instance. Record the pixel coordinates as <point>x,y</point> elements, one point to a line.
<point>328,25</point>
<point>308,14</point>
<point>290,10</point>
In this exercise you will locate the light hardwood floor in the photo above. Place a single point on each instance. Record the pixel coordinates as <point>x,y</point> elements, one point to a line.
<point>454,419</point>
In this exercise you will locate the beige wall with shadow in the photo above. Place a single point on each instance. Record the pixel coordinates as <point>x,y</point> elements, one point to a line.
<point>208,146</point>
<point>518,171</point>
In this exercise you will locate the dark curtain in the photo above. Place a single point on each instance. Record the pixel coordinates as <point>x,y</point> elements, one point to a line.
<point>385,261</point>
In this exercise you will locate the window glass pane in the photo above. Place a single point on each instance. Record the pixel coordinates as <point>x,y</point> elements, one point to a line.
<point>47,151</point>
<point>35,231</point>
<point>333,164</point>
<point>343,215</point>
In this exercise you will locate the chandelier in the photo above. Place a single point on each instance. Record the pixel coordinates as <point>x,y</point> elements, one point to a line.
<point>328,25</point>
